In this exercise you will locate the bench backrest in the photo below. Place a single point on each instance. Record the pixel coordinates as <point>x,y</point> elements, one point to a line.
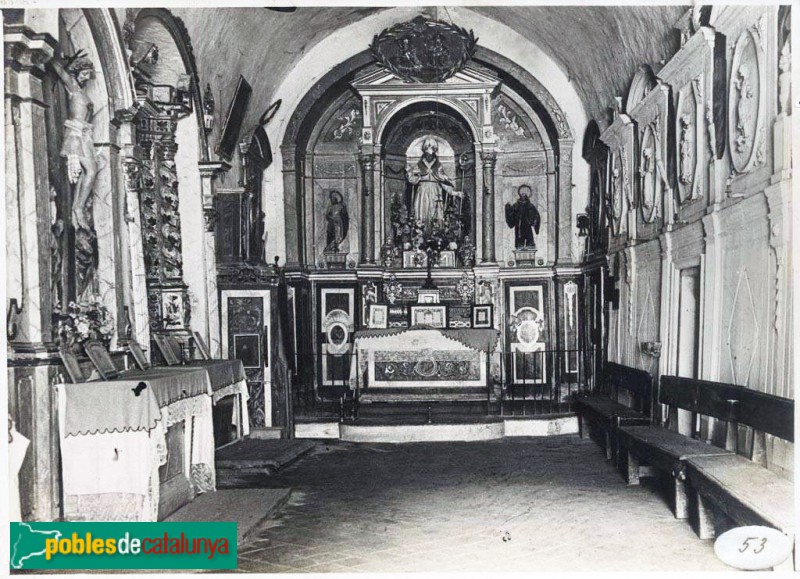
<point>637,382</point>
<point>731,403</point>
<point>700,396</point>
<point>767,413</point>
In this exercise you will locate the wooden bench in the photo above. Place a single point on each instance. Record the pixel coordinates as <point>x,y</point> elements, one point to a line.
<point>665,450</point>
<point>607,413</point>
<point>743,489</point>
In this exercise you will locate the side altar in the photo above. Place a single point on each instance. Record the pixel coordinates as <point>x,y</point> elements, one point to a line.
<point>422,357</point>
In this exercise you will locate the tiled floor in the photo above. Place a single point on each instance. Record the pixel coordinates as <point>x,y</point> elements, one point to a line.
<point>525,504</point>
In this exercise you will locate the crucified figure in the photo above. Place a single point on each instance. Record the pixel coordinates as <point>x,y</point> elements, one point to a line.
<point>78,146</point>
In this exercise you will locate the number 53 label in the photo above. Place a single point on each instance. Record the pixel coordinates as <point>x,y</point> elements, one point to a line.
<point>753,548</point>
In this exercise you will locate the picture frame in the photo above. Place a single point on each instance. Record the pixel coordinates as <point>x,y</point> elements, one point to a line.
<point>447,258</point>
<point>226,146</point>
<point>378,317</point>
<point>181,352</point>
<point>101,359</point>
<point>247,348</point>
<point>201,346</point>
<point>483,316</point>
<point>430,315</point>
<point>169,355</point>
<point>138,355</point>
<point>72,366</point>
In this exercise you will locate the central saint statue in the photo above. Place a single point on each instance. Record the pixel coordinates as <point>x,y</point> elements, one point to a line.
<point>433,189</point>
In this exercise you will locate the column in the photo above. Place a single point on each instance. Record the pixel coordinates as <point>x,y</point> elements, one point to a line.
<point>209,171</point>
<point>488,160</point>
<point>30,279</point>
<point>138,275</point>
<point>564,244</point>
<point>367,240</point>
<point>292,209</point>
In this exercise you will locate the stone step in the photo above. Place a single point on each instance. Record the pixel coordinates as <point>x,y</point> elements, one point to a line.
<point>239,464</point>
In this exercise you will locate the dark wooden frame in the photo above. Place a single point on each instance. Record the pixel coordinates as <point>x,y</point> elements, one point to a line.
<point>476,309</point>
<point>229,137</point>
<point>70,361</point>
<point>138,355</point>
<point>259,361</point>
<point>167,352</point>
<point>201,346</point>
<point>101,359</point>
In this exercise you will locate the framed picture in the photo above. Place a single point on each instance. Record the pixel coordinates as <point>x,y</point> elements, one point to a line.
<point>378,316</point>
<point>71,364</point>
<point>434,316</point>
<point>482,316</point>
<point>233,122</point>
<point>414,258</point>
<point>100,358</point>
<point>171,357</point>
<point>447,258</point>
<point>201,346</point>
<point>138,355</point>
<point>247,348</point>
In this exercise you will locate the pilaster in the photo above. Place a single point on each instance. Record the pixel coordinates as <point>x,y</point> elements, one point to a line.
<point>27,186</point>
<point>488,163</point>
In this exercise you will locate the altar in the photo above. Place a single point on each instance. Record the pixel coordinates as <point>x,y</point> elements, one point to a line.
<point>140,446</point>
<point>421,357</point>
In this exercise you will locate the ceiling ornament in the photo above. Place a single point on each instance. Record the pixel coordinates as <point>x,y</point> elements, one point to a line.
<point>423,50</point>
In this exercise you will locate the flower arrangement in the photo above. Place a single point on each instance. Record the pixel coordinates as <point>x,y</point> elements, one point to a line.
<point>85,321</point>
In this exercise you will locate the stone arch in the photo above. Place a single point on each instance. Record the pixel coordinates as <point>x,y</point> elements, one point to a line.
<point>183,43</point>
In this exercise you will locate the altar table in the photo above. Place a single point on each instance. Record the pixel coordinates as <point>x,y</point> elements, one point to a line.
<point>113,436</point>
<point>422,357</point>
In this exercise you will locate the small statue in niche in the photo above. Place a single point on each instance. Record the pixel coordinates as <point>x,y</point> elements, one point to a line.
<point>257,238</point>
<point>338,222</point>
<point>524,218</point>
<point>78,146</point>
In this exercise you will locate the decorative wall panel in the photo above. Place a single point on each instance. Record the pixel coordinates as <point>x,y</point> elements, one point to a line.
<point>246,336</point>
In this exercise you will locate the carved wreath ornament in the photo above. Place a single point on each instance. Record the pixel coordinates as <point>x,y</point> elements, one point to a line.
<point>424,50</point>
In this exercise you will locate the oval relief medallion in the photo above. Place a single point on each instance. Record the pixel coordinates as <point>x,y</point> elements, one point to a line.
<point>745,102</point>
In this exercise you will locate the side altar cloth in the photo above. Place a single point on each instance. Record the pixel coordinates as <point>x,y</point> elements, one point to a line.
<point>114,437</point>
<point>422,357</point>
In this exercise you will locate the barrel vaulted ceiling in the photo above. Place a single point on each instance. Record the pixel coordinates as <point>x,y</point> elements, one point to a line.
<point>599,48</point>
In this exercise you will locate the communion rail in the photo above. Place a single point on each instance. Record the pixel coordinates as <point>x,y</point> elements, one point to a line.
<point>545,382</point>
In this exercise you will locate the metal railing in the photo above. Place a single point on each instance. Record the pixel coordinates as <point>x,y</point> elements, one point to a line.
<point>544,382</point>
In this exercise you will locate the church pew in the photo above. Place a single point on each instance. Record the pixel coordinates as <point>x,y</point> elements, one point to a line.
<point>606,411</point>
<point>740,487</point>
<point>665,450</point>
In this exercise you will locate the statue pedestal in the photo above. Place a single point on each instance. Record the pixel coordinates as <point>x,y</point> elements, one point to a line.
<point>525,257</point>
<point>335,260</point>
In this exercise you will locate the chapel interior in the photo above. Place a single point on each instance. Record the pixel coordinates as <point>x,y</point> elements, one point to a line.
<point>228,226</point>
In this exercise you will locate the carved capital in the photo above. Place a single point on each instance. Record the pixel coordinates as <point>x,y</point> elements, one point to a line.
<point>133,173</point>
<point>367,161</point>
<point>489,159</point>
<point>213,169</point>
